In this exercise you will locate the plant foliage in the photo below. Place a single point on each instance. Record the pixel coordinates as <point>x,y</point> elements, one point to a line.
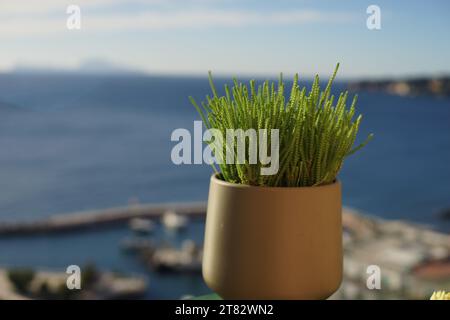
<point>21,278</point>
<point>316,129</point>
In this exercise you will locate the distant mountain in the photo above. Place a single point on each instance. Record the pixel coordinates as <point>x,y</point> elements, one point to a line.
<point>89,66</point>
<point>101,66</point>
<point>31,69</point>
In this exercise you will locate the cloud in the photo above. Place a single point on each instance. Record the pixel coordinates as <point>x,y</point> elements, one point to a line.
<point>22,7</point>
<point>208,18</point>
<point>33,7</point>
<point>32,25</point>
<point>36,7</point>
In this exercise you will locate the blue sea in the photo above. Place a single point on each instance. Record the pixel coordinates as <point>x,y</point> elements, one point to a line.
<point>71,142</point>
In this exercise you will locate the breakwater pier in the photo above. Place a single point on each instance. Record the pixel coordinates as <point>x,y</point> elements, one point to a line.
<point>98,218</point>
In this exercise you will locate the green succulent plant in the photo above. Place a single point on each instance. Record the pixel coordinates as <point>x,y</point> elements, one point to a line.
<point>316,130</point>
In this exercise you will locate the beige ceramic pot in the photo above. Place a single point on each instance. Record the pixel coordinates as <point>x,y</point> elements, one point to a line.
<point>273,243</point>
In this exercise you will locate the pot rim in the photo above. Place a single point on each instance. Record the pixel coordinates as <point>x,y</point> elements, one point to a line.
<point>216,180</point>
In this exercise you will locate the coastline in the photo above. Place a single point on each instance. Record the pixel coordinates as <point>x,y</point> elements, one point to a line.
<point>99,218</point>
<point>81,220</point>
<point>46,284</point>
<point>414,259</point>
<point>429,86</point>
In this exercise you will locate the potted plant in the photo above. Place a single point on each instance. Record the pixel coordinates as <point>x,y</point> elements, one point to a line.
<point>279,235</point>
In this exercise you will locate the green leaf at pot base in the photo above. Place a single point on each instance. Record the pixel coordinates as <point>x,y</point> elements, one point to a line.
<point>211,296</point>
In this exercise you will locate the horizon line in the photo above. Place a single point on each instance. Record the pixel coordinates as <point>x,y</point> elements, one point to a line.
<point>219,74</point>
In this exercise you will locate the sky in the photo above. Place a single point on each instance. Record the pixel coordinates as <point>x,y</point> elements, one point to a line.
<point>236,37</point>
